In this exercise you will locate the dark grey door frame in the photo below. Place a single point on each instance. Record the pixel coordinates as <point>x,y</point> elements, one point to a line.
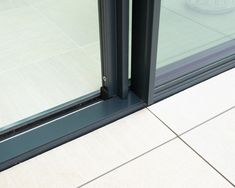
<point>114,36</point>
<point>145,24</point>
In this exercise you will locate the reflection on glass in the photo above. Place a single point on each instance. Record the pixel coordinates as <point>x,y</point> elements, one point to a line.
<point>49,55</point>
<point>189,27</point>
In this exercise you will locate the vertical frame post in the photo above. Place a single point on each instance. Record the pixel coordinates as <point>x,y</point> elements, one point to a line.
<point>114,30</point>
<point>122,46</point>
<point>108,43</point>
<point>146,17</point>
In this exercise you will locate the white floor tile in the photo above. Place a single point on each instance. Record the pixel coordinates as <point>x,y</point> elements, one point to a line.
<point>173,165</point>
<point>197,104</point>
<point>77,18</point>
<point>87,157</point>
<point>215,141</point>
<point>26,37</point>
<point>11,4</point>
<point>93,50</point>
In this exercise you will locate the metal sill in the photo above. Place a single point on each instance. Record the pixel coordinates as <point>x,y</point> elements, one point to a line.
<point>42,138</point>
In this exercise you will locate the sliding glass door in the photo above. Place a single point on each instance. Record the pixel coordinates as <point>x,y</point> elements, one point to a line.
<point>68,67</point>
<point>49,59</point>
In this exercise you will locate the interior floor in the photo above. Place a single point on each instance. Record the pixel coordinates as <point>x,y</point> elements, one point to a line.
<point>49,55</point>
<point>185,32</point>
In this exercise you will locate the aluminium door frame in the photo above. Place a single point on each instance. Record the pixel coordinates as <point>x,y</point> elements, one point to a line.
<point>145,27</point>
<point>114,35</point>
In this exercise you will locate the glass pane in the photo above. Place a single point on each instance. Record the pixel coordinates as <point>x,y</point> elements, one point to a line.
<point>49,55</point>
<point>190,30</point>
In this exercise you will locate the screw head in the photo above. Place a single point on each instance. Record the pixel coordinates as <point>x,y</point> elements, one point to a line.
<point>104,78</point>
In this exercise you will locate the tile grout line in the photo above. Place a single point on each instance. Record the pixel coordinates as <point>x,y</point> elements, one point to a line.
<point>195,48</point>
<point>32,6</point>
<point>196,22</point>
<point>177,136</point>
<point>76,44</point>
<point>81,47</point>
<point>23,65</point>
<point>199,155</point>
<point>208,120</point>
<point>127,162</point>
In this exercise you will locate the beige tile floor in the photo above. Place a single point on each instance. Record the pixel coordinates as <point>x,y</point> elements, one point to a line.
<point>192,146</point>
<point>214,95</point>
